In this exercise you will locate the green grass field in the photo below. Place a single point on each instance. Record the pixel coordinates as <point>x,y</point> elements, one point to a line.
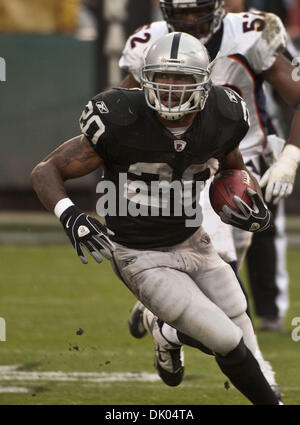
<point>47,296</point>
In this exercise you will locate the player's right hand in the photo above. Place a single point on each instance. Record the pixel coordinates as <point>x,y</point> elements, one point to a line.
<point>255,219</point>
<point>86,232</point>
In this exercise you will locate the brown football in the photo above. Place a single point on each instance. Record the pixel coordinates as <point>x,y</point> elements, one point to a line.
<point>226,185</point>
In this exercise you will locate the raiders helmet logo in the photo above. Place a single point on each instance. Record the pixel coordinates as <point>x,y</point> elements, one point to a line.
<point>179,145</point>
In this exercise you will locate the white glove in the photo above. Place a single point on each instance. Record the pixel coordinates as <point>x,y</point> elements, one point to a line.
<point>280,177</point>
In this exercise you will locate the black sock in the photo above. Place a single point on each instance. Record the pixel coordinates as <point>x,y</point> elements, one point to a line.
<point>241,367</point>
<point>187,340</point>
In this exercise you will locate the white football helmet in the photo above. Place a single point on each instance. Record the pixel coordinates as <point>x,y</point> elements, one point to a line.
<point>211,14</point>
<point>177,53</point>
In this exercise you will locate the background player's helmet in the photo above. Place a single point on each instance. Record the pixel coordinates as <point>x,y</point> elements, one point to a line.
<point>177,53</point>
<point>211,14</point>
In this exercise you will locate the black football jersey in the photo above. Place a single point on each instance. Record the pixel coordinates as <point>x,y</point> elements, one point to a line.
<point>152,179</point>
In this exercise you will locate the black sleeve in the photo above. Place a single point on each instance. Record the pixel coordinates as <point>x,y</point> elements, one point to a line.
<point>96,128</point>
<point>106,113</point>
<point>240,132</point>
<point>234,116</point>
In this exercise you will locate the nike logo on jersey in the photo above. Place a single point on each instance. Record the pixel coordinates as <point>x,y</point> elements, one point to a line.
<point>103,109</point>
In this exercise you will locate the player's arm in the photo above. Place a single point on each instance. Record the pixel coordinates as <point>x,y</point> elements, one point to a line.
<point>234,160</point>
<point>255,219</point>
<point>131,59</point>
<point>74,158</point>
<point>280,178</point>
<point>280,76</point>
<point>129,82</point>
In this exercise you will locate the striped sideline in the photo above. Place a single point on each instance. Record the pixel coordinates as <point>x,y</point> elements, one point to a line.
<point>12,373</point>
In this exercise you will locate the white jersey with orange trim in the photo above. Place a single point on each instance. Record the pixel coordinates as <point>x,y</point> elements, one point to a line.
<point>248,44</point>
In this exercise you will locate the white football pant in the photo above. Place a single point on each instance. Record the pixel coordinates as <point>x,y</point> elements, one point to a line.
<point>192,289</point>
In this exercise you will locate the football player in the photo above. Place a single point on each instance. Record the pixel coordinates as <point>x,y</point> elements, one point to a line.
<point>249,48</point>
<point>166,259</point>
<point>266,256</point>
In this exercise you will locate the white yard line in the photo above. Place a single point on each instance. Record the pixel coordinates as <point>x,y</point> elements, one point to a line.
<point>13,390</point>
<point>11,373</point>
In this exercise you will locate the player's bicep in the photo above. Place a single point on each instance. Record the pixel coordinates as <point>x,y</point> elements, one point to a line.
<point>74,158</point>
<point>280,76</point>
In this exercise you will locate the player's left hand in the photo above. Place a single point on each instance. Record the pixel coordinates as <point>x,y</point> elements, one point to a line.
<point>255,219</point>
<point>280,177</point>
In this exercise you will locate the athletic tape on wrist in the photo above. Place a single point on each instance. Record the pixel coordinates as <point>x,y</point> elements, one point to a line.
<point>61,206</point>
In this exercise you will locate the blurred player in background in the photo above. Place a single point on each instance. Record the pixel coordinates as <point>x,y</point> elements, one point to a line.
<point>266,257</point>
<point>169,265</point>
<point>294,21</point>
<point>249,47</point>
